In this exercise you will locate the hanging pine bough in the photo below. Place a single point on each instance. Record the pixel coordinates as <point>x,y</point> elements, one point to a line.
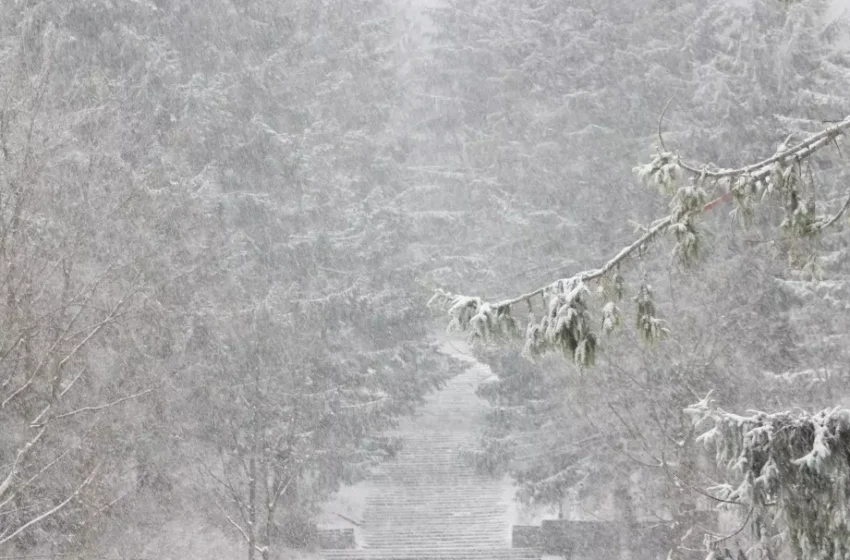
<point>565,325</point>
<point>686,205</point>
<point>566,321</point>
<point>648,325</point>
<point>483,320</point>
<point>793,475</point>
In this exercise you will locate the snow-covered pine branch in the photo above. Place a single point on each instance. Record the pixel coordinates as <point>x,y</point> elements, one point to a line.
<point>566,322</point>
<point>790,470</point>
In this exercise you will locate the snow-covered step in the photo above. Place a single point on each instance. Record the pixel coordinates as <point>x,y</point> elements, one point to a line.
<point>428,503</point>
<point>434,554</point>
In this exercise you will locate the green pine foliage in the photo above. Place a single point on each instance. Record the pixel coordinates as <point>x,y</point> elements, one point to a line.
<point>736,318</point>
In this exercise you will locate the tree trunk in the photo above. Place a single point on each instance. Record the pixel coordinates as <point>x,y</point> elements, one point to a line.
<point>271,504</point>
<point>267,548</point>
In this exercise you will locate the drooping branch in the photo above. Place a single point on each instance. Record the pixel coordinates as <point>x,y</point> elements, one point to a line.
<point>837,215</point>
<point>762,168</point>
<point>593,274</point>
<point>565,324</point>
<point>791,461</point>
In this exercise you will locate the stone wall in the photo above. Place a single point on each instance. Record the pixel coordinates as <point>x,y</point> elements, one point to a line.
<point>336,539</point>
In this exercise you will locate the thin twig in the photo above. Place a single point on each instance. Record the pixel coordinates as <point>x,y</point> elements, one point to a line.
<point>661,121</point>
<point>234,523</point>
<point>7,482</point>
<point>802,150</point>
<point>104,406</point>
<point>741,528</point>
<point>836,217</point>
<point>9,536</point>
<point>20,487</point>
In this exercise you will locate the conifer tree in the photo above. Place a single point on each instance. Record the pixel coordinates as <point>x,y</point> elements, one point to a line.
<point>784,61</point>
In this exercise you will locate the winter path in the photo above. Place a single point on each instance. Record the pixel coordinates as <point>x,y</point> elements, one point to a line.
<point>428,503</point>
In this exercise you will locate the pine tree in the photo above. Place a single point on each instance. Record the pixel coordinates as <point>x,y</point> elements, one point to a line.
<point>190,175</point>
<point>773,60</point>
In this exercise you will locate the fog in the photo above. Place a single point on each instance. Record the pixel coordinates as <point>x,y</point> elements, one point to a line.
<point>424,279</point>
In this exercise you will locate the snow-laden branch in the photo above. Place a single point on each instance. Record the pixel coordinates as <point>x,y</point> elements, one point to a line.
<point>799,151</point>
<point>566,325</point>
<point>41,517</point>
<point>793,462</point>
<point>837,215</point>
<point>98,408</point>
<point>593,274</point>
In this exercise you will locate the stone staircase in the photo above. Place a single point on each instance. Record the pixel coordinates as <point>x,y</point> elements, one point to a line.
<point>459,553</point>
<point>428,503</point>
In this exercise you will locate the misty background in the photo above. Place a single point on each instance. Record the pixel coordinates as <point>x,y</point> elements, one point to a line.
<point>221,221</point>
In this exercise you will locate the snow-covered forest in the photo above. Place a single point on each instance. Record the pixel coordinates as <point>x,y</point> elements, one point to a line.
<point>233,234</point>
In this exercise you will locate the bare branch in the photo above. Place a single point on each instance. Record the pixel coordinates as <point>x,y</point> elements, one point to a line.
<point>280,491</point>
<point>7,482</point>
<point>112,502</point>
<point>37,420</point>
<point>716,540</point>
<point>59,339</point>
<point>105,406</point>
<point>9,536</point>
<point>20,487</point>
<point>235,524</point>
<point>5,353</point>
<point>234,494</point>
<point>238,527</point>
<point>761,169</point>
<point>346,518</point>
<point>836,217</point>
<point>636,435</point>
<point>661,122</point>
